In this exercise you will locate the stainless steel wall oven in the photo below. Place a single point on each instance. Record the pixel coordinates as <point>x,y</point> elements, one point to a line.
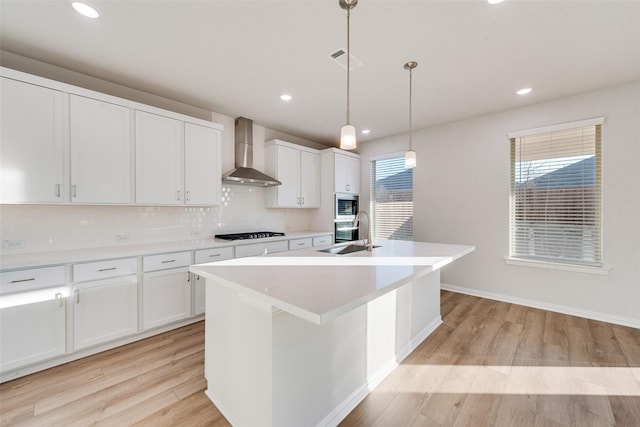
<point>346,209</point>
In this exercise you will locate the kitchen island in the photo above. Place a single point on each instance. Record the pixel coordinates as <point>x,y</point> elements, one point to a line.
<point>299,338</point>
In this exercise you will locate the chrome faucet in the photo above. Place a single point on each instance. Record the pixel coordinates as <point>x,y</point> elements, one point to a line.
<point>356,223</point>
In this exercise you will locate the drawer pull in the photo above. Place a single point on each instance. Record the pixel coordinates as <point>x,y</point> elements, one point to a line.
<point>77,292</point>
<point>107,269</point>
<point>213,255</point>
<point>168,261</point>
<point>300,244</point>
<point>59,299</point>
<point>23,280</point>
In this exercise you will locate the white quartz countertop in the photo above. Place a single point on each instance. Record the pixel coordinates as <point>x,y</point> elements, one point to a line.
<point>47,258</point>
<point>319,286</point>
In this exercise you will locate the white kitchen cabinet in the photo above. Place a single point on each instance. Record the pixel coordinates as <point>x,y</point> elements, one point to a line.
<point>100,138</point>
<point>347,173</point>
<point>159,159</point>
<point>203,165</point>
<point>33,121</point>
<point>323,240</point>
<point>204,256</point>
<point>166,289</point>
<point>298,168</point>
<point>177,162</point>
<point>105,301</point>
<point>265,248</point>
<point>33,330</point>
<point>303,243</point>
<point>104,310</point>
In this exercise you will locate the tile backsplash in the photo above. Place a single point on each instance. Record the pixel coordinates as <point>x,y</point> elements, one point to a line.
<point>52,228</point>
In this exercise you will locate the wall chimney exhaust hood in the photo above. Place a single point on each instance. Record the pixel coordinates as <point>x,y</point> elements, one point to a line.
<point>244,173</point>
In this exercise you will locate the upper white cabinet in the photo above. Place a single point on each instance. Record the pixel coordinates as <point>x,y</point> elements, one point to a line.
<point>347,173</point>
<point>64,144</point>
<point>159,159</point>
<point>177,162</point>
<point>203,165</point>
<point>298,168</point>
<point>100,137</point>
<point>32,143</point>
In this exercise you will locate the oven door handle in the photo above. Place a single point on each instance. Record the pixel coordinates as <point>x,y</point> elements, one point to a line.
<point>347,228</point>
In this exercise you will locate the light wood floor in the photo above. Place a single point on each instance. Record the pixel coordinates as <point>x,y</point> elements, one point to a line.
<point>490,363</point>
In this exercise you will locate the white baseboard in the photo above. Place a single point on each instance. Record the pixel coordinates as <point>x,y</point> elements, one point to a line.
<point>572,311</point>
<point>341,411</point>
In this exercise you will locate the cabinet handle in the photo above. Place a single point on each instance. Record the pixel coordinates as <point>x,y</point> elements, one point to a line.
<point>75,192</point>
<point>57,190</point>
<point>168,261</point>
<point>59,299</point>
<point>106,269</point>
<point>347,187</point>
<point>213,255</point>
<point>300,244</point>
<point>302,201</point>
<point>77,294</point>
<point>187,196</point>
<point>23,280</point>
<point>188,276</point>
<point>197,277</point>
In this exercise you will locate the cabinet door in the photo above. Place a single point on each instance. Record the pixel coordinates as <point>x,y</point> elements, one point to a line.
<point>310,179</point>
<point>288,172</point>
<point>32,332</point>
<point>353,175</point>
<point>32,148</point>
<point>100,137</point>
<point>199,297</point>
<point>203,174</point>
<point>166,297</point>
<point>159,159</point>
<point>347,171</point>
<point>104,311</point>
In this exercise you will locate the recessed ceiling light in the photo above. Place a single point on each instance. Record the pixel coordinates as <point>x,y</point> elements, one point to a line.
<point>365,131</point>
<point>286,97</point>
<point>85,9</point>
<point>524,91</point>
<point>495,1</point>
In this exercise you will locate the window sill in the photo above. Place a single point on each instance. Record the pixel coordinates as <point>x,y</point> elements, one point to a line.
<point>558,266</point>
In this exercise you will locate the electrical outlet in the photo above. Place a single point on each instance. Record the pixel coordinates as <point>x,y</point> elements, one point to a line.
<point>122,237</point>
<point>13,244</point>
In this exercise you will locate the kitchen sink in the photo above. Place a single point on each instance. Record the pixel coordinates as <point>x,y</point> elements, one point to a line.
<point>343,250</point>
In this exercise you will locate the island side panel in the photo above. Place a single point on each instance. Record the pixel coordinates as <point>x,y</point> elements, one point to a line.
<point>318,370</point>
<point>238,356</point>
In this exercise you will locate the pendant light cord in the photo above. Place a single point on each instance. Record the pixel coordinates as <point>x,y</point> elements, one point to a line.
<point>348,62</point>
<point>410,112</point>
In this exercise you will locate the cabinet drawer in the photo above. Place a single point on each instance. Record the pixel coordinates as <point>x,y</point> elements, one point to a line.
<point>30,279</point>
<point>323,240</point>
<point>211,255</point>
<point>261,248</point>
<point>300,244</point>
<point>104,269</point>
<point>165,261</point>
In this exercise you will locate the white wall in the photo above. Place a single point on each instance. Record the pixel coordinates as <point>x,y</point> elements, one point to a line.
<point>461,195</point>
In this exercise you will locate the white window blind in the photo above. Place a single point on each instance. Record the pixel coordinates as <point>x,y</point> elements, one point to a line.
<point>556,212</point>
<point>392,199</point>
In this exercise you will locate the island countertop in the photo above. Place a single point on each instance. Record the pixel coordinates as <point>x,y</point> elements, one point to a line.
<point>319,286</point>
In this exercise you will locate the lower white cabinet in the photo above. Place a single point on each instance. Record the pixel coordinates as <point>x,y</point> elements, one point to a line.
<point>104,310</point>
<point>255,249</point>
<point>31,332</point>
<point>166,297</point>
<point>203,256</point>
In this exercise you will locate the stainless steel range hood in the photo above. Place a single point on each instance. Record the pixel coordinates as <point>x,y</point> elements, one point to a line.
<point>244,173</point>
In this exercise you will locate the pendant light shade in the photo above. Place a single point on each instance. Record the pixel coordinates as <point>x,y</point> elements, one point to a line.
<point>348,131</point>
<point>410,160</point>
<point>348,137</point>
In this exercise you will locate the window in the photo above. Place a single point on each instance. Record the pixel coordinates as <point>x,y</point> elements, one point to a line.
<point>392,199</point>
<point>556,193</point>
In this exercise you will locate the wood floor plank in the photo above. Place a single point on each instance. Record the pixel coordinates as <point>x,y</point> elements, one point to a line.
<point>490,363</point>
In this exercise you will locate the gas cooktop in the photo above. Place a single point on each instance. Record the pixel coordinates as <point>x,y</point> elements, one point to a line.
<point>250,235</point>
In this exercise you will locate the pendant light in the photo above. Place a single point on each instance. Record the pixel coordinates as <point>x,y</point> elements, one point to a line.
<point>410,156</point>
<point>348,131</point>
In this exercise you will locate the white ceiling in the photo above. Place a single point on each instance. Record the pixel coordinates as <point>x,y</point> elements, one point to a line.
<point>236,57</point>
